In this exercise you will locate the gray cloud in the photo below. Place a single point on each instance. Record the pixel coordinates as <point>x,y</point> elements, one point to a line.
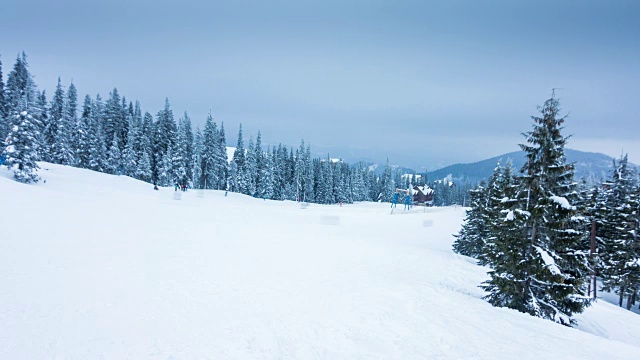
<point>455,80</point>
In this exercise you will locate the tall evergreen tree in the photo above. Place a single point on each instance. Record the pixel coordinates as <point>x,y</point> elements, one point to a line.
<point>470,241</point>
<point>387,187</point>
<point>4,116</point>
<point>130,154</point>
<point>250,173</point>
<point>163,137</point>
<point>209,175</point>
<point>238,182</point>
<point>221,160</point>
<point>20,91</point>
<point>114,161</point>
<point>546,271</point>
<point>21,150</point>
<point>83,136</point>
<point>618,233</point>
<point>72,123</point>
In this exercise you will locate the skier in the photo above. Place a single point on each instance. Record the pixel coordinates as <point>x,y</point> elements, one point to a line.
<point>407,202</point>
<point>155,187</point>
<point>394,201</point>
<point>176,187</point>
<point>226,192</point>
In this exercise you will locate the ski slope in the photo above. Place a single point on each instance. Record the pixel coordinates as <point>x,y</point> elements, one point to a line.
<point>94,266</point>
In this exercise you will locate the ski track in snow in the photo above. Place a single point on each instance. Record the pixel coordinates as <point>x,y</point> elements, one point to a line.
<point>106,268</point>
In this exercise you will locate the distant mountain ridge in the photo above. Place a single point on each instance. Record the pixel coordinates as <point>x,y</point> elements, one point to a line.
<point>589,165</point>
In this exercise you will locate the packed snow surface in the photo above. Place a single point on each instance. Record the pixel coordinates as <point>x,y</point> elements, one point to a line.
<point>94,266</point>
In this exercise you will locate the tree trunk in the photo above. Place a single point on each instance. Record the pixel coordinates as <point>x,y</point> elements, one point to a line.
<point>528,250</point>
<point>621,296</point>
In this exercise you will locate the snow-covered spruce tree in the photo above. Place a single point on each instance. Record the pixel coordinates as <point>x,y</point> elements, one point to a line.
<point>323,187</point>
<point>197,163</point>
<point>619,241</point>
<point>475,230</point>
<point>266,181</point>
<point>221,161</point>
<point>544,268</point>
<point>250,173</point>
<point>163,137</point>
<point>4,116</point>
<point>239,184</point>
<point>21,150</point>
<point>209,179</point>
<point>114,161</point>
<point>307,194</point>
<point>20,91</point>
<point>129,155</point>
<point>53,122</point>
<point>504,250</point>
<point>259,156</point>
<point>113,118</point>
<point>62,150</point>
<point>186,137</point>
<point>82,135</point>
<point>387,186</point>
<point>71,123</point>
<point>179,161</point>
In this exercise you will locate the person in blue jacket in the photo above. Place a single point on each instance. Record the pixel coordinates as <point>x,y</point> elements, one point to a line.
<point>407,202</point>
<point>394,201</point>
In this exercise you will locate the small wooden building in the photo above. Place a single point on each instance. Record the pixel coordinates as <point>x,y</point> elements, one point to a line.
<point>423,195</point>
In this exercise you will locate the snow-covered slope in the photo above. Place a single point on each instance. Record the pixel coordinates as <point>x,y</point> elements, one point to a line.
<point>94,266</point>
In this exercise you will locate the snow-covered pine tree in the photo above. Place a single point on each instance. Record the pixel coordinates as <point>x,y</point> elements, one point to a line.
<point>21,150</point>
<point>387,186</point>
<point>546,272</point>
<point>50,135</point>
<point>187,133</point>
<point>82,134</point>
<point>239,184</point>
<point>20,91</point>
<point>71,123</point>
<point>42,115</point>
<point>308,175</point>
<point>143,170</point>
<point>475,229</point>
<point>97,143</point>
<point>179,163</point>
<point>266,179</point>
<point>322,188</point>
<point>503,249</point>
<point>165,177</point>
<point>619,241</point>
<point>163,137</point>
<point>114,157</point>
<point>221,160</point>
<point>250,173</point>
<point>129,155</point>
<point>197,163</point>
<point>259,156</point>
<point>4,116</point>
<point>209,147</point>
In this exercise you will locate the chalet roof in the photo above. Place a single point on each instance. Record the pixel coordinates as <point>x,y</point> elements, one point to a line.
<point>425,189</point>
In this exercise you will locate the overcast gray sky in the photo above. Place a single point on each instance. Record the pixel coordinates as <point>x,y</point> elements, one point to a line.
<point>454,81</point>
